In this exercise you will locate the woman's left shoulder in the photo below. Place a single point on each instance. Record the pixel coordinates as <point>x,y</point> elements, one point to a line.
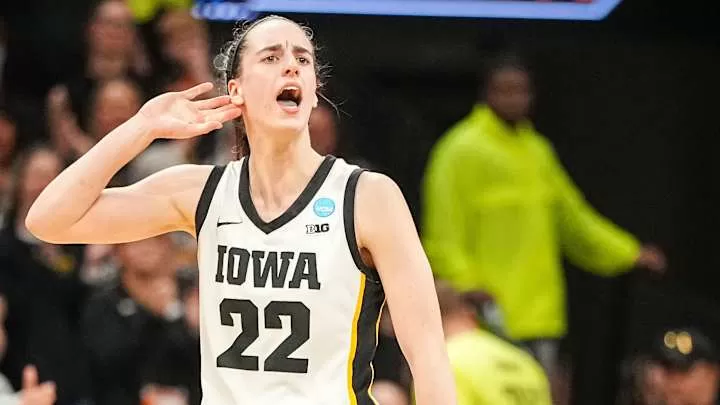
<point>374,184</point>
<point>378,196</point>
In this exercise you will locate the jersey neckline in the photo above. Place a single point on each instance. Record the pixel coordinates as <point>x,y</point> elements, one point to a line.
<point>316,181</point>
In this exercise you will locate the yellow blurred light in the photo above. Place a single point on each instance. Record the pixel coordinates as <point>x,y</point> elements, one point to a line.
<point>684,343</point>
<point>670,340</point>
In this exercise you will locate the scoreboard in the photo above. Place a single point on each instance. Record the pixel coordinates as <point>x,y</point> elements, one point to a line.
<point>231,10</point>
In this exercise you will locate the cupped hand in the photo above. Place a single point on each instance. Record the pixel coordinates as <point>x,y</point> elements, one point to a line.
<point>177,115</point>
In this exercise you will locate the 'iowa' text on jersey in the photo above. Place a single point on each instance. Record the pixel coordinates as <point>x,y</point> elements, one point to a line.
<point>267,267</point>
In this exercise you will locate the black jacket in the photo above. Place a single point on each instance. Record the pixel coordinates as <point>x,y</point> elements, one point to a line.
<point>129,347</point>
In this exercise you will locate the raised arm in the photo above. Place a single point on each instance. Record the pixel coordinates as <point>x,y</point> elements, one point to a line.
<point>385,228</point>
<point>76,207</point>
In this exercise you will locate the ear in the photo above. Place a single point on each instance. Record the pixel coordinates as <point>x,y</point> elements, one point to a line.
<point>235,92</point>
<point>315,100</point>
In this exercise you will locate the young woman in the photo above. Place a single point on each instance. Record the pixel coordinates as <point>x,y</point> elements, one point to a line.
<point>296,251</point>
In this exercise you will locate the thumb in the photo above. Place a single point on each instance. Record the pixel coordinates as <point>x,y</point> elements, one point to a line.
<point>30,377</point>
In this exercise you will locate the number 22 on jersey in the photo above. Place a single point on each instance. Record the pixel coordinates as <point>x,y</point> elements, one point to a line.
<point>279,359</point>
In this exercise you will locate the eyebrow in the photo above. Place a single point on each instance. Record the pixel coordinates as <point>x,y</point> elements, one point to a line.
<point>277,47</point>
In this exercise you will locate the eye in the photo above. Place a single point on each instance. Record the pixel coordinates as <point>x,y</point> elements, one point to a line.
<point>270,59</point>
<point>303,60</point>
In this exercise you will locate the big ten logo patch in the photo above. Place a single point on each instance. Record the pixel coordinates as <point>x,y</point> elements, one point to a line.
<point>317,228</point>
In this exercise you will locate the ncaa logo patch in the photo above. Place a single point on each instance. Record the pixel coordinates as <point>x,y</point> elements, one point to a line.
<point>324,207</point>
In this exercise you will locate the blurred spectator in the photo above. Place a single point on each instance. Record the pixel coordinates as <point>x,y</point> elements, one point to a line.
<point>32,393</point>
<point>389,393</point>
<point>8,138</point>
<point>179,48</point>
<point>643,385</point>
<point>185,45</point>
<point>136,331</point>
<point>160,155</point>
<point>325,138</point>
<point>101,267</point>
<point>111,41</point>
<point>112,53</point>
<point>43,289</point>
<point>112,102</point>
<point>323,130</point>
<point>500,210</point>
<point>184,61</point>
<point>681,367</point>
<point>488,370</point>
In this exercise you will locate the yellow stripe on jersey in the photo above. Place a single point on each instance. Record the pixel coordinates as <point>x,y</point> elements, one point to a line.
<point>353,340</point>
<point>377,332</point>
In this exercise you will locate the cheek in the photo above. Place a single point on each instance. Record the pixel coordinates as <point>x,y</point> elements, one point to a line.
<point>257,93</point>
<point>312,86</point>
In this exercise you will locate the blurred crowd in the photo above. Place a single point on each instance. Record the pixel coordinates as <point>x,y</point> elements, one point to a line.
<point>118,325</point>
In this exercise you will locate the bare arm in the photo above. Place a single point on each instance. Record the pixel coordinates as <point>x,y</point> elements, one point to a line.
<point>387,231</point>
<point>77,208</point>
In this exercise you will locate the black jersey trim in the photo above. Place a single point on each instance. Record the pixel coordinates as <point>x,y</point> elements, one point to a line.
<point>349,221</point>
<point>366,332</point>
<point>206,196</point>
<point>297,206</point>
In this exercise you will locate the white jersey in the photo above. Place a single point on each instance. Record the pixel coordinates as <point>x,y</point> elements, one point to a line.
<point>289,312</point>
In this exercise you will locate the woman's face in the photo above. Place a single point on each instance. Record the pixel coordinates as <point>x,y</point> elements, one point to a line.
<point>277,84</point>
<point>112,29</point>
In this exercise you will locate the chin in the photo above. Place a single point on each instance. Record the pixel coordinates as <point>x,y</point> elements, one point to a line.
<point>290,125</point>
<point>284,132</point>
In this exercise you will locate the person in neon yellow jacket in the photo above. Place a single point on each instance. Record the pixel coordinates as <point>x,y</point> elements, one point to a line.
<point>487,369</point>
<point>499,211</point>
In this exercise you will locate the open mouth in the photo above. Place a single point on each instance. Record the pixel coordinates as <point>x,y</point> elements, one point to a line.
<point>290,97</point>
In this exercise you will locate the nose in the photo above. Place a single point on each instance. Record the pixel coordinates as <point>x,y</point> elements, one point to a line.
<point>291,70</point>
<point>291,67</point>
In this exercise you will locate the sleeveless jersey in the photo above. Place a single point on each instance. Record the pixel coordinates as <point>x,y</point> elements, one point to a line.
<point>289,312</point>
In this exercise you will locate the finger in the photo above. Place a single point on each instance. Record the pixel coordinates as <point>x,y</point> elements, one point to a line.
<point>195,91</point>
<point>224,115</point>
<point>211,103</point>
<point>219,111</point>
<point>30,377</point>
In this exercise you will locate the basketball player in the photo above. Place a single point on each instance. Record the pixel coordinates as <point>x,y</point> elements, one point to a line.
<point>296,250</point>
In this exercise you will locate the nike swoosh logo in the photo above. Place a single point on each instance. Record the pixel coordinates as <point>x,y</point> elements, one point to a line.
<point>219,224</point>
